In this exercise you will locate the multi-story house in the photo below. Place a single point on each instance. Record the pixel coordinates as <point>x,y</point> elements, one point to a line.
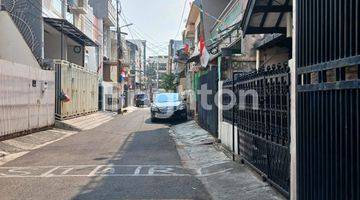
<point>73,43</point>
<point>177,62</point>
<point>197,40</point>
<point>111,89</point>
<point>65,36</point>
<point>27,89</point>
<point>133,56</point>
<point>173,64</point>
<point>140,63</point>
<point>159,63</point>
<point>190,40</point>
<point>246,59</point>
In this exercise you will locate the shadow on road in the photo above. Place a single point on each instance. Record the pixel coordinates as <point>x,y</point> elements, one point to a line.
<point>138,157</point>
<point>170,122</point>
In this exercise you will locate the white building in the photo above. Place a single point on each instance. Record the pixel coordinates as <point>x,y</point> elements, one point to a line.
<point>159,63</point>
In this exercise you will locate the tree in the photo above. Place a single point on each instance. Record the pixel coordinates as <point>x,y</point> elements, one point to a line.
<point>168,82</point>
<point>150,73</point>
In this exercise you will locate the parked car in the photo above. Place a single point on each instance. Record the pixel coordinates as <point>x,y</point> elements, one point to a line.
<point>168,105</point>
<point>141,100</point>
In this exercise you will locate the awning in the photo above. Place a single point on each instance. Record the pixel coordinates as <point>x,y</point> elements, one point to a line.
<point>234,47</point>
<point>70,30</point>
<point>266,16</point>
<point>274,40</point>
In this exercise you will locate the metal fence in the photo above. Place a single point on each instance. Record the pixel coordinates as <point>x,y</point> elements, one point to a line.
<point>208,118</point>
<point>80,85</point>
<point>328,92</point>
<point>263,132</point>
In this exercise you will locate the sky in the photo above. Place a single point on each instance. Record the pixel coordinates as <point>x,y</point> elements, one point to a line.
<point>156,21</point>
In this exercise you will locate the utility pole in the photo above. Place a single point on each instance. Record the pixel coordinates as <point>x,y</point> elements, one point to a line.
<point>141,65</point>
<point>119,49</point>
<point>118,32</point>
<point>157,74</point>
<point>144,67</point>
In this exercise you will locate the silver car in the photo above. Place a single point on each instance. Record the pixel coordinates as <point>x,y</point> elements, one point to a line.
<point>168,105</point>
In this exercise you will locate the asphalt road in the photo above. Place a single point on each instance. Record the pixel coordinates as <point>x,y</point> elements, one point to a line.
<point>126,158</point>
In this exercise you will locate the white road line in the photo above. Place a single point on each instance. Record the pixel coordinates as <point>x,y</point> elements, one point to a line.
<point>101,175</point>
<point>105,171</point>
<point>47,174</point>
<point>137,170</point>
<point>67,171</point>
<point>93,172</point>
<point>75,166</point>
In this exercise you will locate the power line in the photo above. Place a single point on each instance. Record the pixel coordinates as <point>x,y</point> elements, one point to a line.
<point>144,35</point>
<point>144,32</point>
<point>157,49</point>
<point>132,36</point>
<point>141,35</point>
<point>139,30</point>
<point>182,17</point>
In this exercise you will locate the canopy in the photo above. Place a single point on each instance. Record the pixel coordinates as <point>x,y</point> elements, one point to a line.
<point>70,30</point>
<point>266,16</point>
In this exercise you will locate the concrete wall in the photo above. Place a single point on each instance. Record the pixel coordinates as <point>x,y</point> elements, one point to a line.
<point>27,93</point>
<point>182,86</point>
<point>52,44</point>
<point>53,8</point>
<point>130,97</point>
<point>27,18</point>
<point>52,47</point>
<point>100,7</point>
<point>77,58</point>
<point>225,128</point>
<point>13,46</point>
<point>110,73</point>
<point>226,135</point>
<point>93,58</point>
<point>27,97</point>
<point>274,55</point>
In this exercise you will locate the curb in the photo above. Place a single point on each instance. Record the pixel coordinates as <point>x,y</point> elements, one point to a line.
<point>64,126</point>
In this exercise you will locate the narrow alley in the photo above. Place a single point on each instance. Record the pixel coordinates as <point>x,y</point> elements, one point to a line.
<point>179,99</point>
<point>126,158</point>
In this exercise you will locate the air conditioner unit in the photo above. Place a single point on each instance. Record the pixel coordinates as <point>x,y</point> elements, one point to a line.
<point>78,6</point>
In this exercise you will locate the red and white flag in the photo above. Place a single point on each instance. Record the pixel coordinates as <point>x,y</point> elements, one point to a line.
<point>204,54</point>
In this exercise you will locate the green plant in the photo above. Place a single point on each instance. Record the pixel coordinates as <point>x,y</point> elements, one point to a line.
<point>168,82</point>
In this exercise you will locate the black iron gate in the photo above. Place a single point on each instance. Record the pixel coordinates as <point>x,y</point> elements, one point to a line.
<point>328,87</point>
<point>263,131</point>
<point>208,118</point>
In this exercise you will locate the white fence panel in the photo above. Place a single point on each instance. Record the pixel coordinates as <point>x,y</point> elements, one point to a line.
<point>27,98</point>
<point>80,85</point>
